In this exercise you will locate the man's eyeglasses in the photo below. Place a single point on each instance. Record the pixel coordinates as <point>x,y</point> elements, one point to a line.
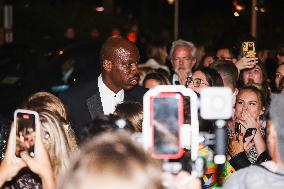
<point>196,82</point>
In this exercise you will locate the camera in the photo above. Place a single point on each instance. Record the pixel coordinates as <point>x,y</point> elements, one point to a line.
<point>216,103</point>
<point>168,137</point>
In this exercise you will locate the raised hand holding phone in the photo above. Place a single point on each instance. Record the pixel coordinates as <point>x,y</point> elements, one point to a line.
<point>10,165</point>
<point>40,163</point>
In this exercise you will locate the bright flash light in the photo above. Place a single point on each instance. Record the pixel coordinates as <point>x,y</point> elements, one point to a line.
<point>61,52</point>
<point>236,14</point>
<point>100,9</point>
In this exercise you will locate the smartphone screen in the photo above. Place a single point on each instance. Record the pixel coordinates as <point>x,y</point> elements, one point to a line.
<point>248,133</point>
<point>166,119</point>
<point>248,49</point>
<point>25,132</point>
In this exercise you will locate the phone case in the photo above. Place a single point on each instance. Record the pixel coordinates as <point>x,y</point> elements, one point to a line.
<point>180,122</point>
<point>248,49</point>
<point>28,132</point>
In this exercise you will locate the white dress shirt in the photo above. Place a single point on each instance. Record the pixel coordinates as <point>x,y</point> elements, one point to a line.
<point>108,98</point>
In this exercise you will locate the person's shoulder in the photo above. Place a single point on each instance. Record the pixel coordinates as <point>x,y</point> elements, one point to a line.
<point>135,94</point>
<point>237,178</point>
<point>137,91</point>
<point>82,90</point>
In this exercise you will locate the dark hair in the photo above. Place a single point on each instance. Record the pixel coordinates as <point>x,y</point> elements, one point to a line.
<point>101,124</point>
<point>227,70</point>
<point>133,112</point>
<point>232,51</point>
<point>156,76</point>
<point>212,77</point>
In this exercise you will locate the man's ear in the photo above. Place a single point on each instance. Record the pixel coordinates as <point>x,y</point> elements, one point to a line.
<point>107,65</point>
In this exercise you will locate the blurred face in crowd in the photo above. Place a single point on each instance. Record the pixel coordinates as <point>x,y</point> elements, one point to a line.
<point>280,56</point>
<point>279,76</point>
<point>252,76</point>
<point>248,102</point>
<point>208,60</point>
<point>197,81</point>
<point>182,59</point>
<point>150,83</point>
<point>223,54</point>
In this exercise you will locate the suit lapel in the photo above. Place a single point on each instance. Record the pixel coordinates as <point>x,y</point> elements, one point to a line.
<point>94,105</point>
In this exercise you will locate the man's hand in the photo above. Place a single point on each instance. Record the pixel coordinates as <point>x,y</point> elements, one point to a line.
<point>182,75</point>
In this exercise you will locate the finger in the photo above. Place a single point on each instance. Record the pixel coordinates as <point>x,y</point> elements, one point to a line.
<point>249,139</point>
<point>11,147</point>
<point>250,146</point>
<point>38,139</point>
<point>243,123</point>
<point>27,159</point>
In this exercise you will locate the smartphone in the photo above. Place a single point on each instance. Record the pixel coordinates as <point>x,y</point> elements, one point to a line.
<point>166,119</point>
<point>248,49</point>
<point>249,132</point>
<point>25,121</point>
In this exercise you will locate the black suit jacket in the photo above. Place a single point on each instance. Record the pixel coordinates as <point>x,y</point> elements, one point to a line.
<point>83,103</point>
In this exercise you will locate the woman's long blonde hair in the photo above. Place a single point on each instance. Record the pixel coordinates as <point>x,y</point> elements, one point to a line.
<point>57,134</point>
<point>55,141</point>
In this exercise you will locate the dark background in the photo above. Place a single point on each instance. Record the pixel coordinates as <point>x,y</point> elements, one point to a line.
<point>202,21</point>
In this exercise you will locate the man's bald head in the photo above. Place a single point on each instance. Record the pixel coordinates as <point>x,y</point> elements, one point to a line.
<point>117,47</point>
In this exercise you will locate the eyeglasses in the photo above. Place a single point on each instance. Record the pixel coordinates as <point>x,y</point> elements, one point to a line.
<point>196,82</point>
<point>279,75</point>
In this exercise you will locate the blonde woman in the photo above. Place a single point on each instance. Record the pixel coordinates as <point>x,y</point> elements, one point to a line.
<point>42,101</point>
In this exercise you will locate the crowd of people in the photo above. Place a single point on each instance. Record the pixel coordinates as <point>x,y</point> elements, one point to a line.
<point>85,136</point>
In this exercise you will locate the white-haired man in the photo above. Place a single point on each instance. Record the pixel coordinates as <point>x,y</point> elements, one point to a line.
<point>183,58</point>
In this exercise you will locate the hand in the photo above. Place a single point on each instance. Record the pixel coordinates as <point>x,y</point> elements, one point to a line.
<point>249,143</point>
<point>40,164</point>
<point>246,63</point>
<point>182,75</point>
<point>11,165</point>
<point>249,121</point>
<point>236,145</point>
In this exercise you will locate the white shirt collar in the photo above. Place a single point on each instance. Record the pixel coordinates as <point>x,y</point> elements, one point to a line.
<point>109,99</point>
